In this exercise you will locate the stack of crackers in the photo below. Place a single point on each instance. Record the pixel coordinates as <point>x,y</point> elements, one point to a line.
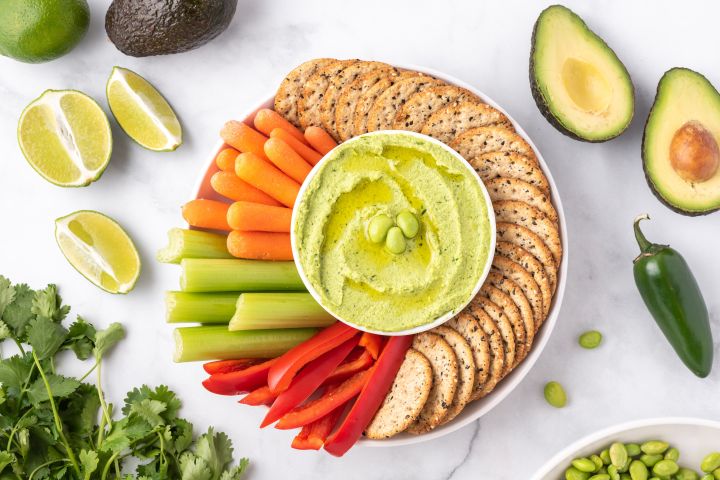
<point>466,358</point>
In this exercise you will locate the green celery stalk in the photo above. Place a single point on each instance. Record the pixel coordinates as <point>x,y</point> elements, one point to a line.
<point>215,342</point>
<point>184,307</point>
<point>278,310</point>
<point>184,243</point>
<point>221,275</point>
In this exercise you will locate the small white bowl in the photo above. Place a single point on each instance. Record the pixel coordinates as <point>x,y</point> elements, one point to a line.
<point>486,268</point>
<point>476,409</point>
<point>694,437</point>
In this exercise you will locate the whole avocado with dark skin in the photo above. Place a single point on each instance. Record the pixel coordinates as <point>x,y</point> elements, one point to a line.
<point>142,28</point>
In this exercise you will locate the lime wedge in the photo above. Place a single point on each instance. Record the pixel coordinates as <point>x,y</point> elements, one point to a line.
<point>142,111</point>
<point>98,248</point>
<point>66,138</point>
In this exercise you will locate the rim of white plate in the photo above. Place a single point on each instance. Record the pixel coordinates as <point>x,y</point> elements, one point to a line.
<point>479,408</point>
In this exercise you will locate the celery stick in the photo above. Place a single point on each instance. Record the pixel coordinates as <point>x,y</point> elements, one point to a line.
<point>185,307</point>
<point>193,244</point>
<point>220,275</point>
<point>278,310</point>
<point>215,342</point>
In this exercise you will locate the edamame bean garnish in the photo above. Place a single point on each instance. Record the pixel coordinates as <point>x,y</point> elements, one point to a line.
<point>651,460</point>
<point>381,228</point>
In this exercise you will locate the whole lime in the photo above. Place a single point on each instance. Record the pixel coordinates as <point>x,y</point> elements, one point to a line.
<point>35,31</point>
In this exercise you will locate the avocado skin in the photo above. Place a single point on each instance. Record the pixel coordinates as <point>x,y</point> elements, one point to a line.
<point>648,177</point>
<point>543,104</point>
<point>142,28</point>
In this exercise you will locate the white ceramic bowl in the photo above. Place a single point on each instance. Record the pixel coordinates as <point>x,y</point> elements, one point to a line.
<point>476,409</point>
<point>483,275</point>
<point>694,437</point>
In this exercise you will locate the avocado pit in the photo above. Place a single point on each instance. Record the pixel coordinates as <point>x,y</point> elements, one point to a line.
<point>694,152</point>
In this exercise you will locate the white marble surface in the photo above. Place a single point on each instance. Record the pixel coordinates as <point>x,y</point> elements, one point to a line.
<point>635,374</point>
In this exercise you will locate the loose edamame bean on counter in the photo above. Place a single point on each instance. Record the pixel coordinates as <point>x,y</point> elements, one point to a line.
<point>590,339</point>
<point>555,394</point>
<point>652,460</point>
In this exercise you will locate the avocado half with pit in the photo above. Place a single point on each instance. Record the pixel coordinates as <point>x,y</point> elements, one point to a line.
<point>680,144</point>
<point>577,81</point>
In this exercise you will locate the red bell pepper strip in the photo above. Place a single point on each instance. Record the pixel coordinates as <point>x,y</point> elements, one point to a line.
<point>233,383</point>
<point>283,371</point>
<point>226,366</point>
<point>371,397</point>
<point>372,343</point>
<point>349,368</point>
<point>333,398</point>
<point>307,381</point>
<point>259,396</point>
<point>313,435</point>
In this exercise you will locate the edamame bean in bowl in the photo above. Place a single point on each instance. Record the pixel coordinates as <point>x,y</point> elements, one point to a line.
<point>393,232</point>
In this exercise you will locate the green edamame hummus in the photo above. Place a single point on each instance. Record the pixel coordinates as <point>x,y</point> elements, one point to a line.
<point>366,281</point>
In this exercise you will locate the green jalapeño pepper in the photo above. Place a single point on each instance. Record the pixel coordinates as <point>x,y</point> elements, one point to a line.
<point>673,297</point>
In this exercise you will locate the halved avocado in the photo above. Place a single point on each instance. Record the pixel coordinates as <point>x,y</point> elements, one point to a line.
<point>680,144</point>
<point>578,82</point>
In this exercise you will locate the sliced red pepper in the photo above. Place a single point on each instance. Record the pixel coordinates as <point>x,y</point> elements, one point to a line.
<point>226,366</point>
<point>259,396</point>
<point>307,381</point>
<point>371,397</point>
<point>233,383</point>
<point>283,371</point>
<point>372,343</point>
<point>313,435</point>
<point>334,397</point>
<point>349,368</point>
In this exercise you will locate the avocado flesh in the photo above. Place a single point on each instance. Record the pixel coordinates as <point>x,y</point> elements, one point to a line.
<point>682,96</point>
<point>141,28</point>
<point>578,82</point>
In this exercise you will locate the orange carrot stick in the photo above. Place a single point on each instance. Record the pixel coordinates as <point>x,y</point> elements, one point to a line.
<point>260,245</point>
<point>249,216</point>
<point>267,120</point>
<point>231,186</point>
<point>264,176</point>
<point>243,137</point>
<point>286,159</point>
<point>204,213</point>
<point>319,139</point>
<point>310,155</point>
<point>225,160</point>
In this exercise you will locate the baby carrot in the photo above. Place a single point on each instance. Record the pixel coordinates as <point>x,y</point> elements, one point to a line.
<point>286,159</point>
<point>231,186</point>
<point>225,160</point>
<point>243,137</point>
<point>310,155</point>
<point>267,120</point>
<point>260,245</point>
<point>319,139</point>
<point>264,176</point>
<point>249,216</point>
<point>204,213</point>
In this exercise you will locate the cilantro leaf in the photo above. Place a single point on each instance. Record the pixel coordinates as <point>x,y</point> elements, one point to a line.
<point>60,387</point>
<point>215,449</point>
<point>46,337</point>
<point>89,462</point>
<point>237,472</point>
<point>4,331</point>
<point>5,460</point>
<point>149,410</point>
<point>7,295</point>
<point>18,313</point>
<point>81,410</point>
<point>194,468</point>
<point>105,339</point>
<point>81,338</point>
<point>48,304</point>
<point>161,393</point>
<point>14,371</point>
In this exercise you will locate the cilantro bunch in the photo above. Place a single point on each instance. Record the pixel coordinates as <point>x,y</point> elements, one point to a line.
<point>54,426</point>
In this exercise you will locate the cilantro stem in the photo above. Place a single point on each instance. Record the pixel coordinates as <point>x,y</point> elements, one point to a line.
<point>15,428</point>
<point>87,374</point>
<point>58,422</point>
<point>32,474</point>
<point>108,464</point>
